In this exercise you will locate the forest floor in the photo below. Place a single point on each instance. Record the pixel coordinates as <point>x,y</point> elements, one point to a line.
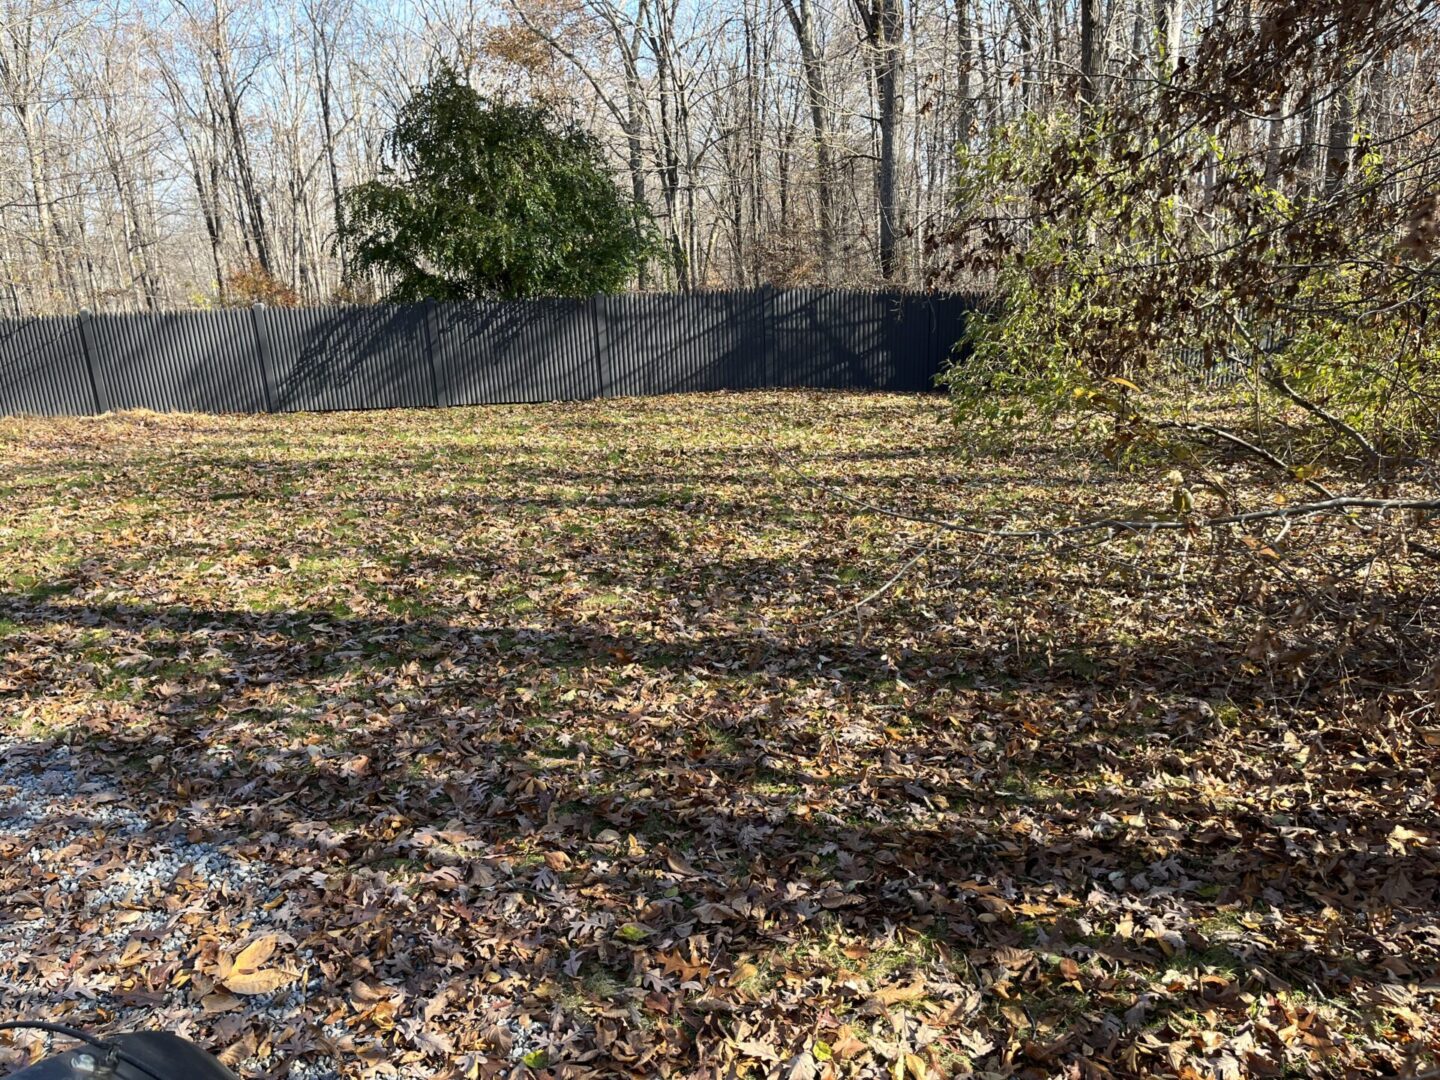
<point>551,740</point>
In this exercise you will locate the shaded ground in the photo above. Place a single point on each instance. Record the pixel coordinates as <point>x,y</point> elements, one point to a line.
<point>543,740</point>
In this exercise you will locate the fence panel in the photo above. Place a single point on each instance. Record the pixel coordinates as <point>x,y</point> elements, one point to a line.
<point>951,314</point>
<point>42,368</point>
<point>835,339</point>
<point>668,344</point>
<point>349,358</point>
<point>519,351</point>
<point>914,358</point>
<point>178,362</point>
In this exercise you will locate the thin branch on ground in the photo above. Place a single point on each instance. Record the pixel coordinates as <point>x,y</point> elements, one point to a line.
<point>1275,379</point>
<point>1250,448</point>
<point>889,584</point>
<point>1188,523</point>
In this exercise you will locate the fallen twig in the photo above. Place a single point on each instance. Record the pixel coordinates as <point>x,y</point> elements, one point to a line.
<point>1189,522</point>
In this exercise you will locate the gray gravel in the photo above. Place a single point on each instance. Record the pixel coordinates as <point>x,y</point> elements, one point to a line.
<point>55,803</point>
<point>68,815</point>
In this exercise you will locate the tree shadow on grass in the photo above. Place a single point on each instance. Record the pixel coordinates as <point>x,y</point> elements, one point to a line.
<point>746,798</point>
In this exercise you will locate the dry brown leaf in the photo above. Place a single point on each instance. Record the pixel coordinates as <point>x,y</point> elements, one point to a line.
<point>434,1043</point>
<point>239,1050</point>
<point>252,956</point>
<point>678,865</point>
<point>435,1005</point>
<point>894,995</point>
<point>756,1049</point>
<point>743,972</point>
<point>364,994</point>
<point>219,1002</point>
<point>845,1045</point>
<point>801,1067</point>
<point>383,1015</point>
<point>243,974</point>
<point>265,981</point>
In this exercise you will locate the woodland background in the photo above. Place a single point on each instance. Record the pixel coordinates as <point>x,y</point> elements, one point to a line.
<point>174,153</point>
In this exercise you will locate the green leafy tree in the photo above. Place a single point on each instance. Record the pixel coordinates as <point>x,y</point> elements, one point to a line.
<point>486,199</point>
<point>1141,245</point>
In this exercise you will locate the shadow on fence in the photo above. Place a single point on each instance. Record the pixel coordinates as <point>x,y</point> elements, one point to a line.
<point>424,355</point>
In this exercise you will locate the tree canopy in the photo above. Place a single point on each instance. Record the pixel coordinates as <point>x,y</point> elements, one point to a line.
<point>1156,234</point>
<point>490,199</point>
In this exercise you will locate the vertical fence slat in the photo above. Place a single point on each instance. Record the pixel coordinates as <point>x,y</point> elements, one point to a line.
<point>97,375</point>
<point>439,373</point>
<point>602,345</point>
<point>261,327</point>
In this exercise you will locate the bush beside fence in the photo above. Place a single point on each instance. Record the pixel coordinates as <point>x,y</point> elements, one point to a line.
<point>440,354</point>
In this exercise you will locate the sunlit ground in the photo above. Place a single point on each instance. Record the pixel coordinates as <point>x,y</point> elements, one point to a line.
<point>551,738</point>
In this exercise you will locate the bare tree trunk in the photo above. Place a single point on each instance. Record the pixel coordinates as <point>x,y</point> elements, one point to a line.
<point>52,259</point>
<point>1169,15</point>
<point>210,212</point>
<point>1309,136</point>
<point>1025,18</point>
<point>751,258</point>
<point>966,61</point>
<point>1275,140</point>
<point>322,20</point>
<point>803,22</point>
<point>1137,37</point>
<point>218,44</point>
<point>1091,41</point>
<point>883,22</point>
<point>669,159</point>
<point>1342,132</point>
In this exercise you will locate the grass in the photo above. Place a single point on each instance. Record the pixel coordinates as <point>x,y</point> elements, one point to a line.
<point>473,643</point>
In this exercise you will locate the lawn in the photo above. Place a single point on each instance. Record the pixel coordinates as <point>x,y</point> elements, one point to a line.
<point>588,739</point>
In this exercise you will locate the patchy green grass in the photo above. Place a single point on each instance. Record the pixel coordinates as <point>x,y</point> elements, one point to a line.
<point>568,713</point>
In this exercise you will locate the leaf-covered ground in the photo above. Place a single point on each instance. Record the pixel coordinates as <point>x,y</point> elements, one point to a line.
<point>548,741</point>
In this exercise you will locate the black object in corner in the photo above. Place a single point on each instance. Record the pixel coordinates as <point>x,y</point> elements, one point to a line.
<point>140,1055</point>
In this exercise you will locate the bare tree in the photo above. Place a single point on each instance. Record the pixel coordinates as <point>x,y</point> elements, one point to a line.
<point>802,20</point>
<point>883,24</point>
<point>156,151</point>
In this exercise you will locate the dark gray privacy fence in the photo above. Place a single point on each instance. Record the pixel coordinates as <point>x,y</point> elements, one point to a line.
<point>401,355</point>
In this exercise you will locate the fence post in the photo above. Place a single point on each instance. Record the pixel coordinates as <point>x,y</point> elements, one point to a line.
<point>932,346</point>
<point>767,336</point>
<point>262,351</point>
<point>600,315</point>
<point>439,388</point>
<point>937,351</point>
<point>98,389</point>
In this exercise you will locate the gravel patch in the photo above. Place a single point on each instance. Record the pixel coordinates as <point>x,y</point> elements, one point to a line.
<point>101,876</point>
<point>67,820</point>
